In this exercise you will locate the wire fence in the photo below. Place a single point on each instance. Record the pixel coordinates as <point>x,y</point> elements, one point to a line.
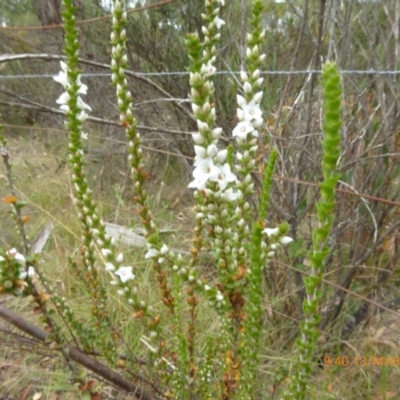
<point>185,73</point>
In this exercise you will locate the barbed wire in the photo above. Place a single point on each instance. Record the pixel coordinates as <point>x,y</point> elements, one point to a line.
<point>185,73</point>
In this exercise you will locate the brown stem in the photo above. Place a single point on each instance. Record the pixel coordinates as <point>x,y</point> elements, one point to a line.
<point>77,356</point>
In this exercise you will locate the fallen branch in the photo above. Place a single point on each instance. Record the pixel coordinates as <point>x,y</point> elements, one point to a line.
<point>77,356</point>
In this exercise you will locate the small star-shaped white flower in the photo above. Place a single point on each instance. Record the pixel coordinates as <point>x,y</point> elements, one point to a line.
<point>224,176</point>
<point>152,253</point>
<point>242,129</point>
<point>125,274</point>
<point>229,195</point>
<point>252,112</point>
<point>204,171</point>
<point>208,69</point>
<point>218,22</point>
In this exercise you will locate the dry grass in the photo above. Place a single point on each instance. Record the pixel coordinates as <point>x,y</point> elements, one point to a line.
<point>32,371</point>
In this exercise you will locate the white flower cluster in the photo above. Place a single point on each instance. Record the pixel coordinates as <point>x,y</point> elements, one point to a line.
<point>275,240</point>
<point>249,112</point>
<point>176,261</point>
<point>124,273</point>
<point>210,163</point>
<point>62,78</point>
<point>210,166</point>
<point>161,254</point>
<point>23,273</point>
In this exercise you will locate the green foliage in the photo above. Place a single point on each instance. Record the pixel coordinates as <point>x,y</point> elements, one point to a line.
<point>325,215</point>
<point>160,312</point>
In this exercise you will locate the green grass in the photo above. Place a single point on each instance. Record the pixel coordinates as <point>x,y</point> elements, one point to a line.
<point>26,368</point>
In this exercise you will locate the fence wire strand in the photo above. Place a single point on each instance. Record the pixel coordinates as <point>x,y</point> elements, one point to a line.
<point>185,73</point>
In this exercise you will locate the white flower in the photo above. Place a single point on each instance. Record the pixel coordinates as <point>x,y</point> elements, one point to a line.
<point>241,101</point>
<point>197,138</point>
<point>216,133</point>
<point>83,116</point>
<point>84,136</point>
<point>195,108</point>
<point>201,153</point>
<point>255,133</point>
<point>240,114</point>
<point>82,105</point>
<point>125,274</point>
<point>218,22</point>
<point>247,87</point>
<point>82,87</point>
<point>120,258</point>
<point>63,99</point>
<point>110,267</point>
<point>243,76</point>
<point>257,97</point>
<point>212,150</point>
<point>258,82</point>
<point>285,240</point>
<point>23,275</point>
<point>219,296</point>
<point>204,171</point>
<point>20,258</point>
<point>271,232</point>
<point>152,253</point>
<point>224,176</point>
<point>252,112</point>
<point>106,252</point>
<point>27,274</point>
<point>229,195</point>
<point>221,156</point>
<point>62,75</point>
<point>208,69</point>
<point>164,250</point>
<point>203,126</point>
<point>242,129</point>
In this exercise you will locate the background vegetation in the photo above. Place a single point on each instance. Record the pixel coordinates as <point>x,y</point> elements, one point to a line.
<point>301,35</point>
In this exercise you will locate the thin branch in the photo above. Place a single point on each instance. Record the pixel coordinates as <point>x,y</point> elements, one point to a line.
<point>54,57</point>
<point>39,107</point>
<point>77,356</point>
